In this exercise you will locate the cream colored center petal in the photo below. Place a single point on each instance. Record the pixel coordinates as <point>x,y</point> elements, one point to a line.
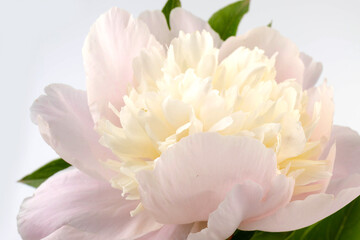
<point>184,90</point>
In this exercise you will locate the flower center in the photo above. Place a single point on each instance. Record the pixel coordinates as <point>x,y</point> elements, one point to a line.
<point>184,90</point>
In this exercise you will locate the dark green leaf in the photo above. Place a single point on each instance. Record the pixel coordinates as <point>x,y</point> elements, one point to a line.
<point>270,236</point>
<point>242,235</point>
<point>344,224</point>
<point>39,176</point>
<point>226,21</point>
<point>170,5</point>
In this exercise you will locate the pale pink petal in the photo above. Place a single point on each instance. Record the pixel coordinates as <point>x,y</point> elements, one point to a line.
<point>169,231</point>
<point>71,233</point>
<point>246,201</point>
<point>323,95</point>
<point>312,71</point>
<point>66,125</point>
<point>343,188</point>
<point>156,22</point>
<point>288,62</point>
<point>71,198</point>
<point>347,161</point>
<point>114,40</point>
<point>302,213</point>
<point>182,20</point>
<point>193,177</point>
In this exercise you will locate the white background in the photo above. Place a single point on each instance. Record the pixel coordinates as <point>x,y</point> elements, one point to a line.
<point>41,41</point>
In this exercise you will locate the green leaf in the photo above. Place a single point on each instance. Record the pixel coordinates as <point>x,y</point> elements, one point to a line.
<point>170,5</point>
<point>270,236</point>
<point>226,21</point>
<point>39,176</point>
<point>242,235</point>
<point>344,224</point>
<point>269,24</point>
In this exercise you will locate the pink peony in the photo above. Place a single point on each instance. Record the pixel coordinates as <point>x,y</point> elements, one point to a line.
<point>183,136</point>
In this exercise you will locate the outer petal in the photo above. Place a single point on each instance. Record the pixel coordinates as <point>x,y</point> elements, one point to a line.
<point>343,188</point>
<point>156,22</point>
<point>182,20</point>
<point>245,201</point>
<point>82,204</point>
<point>288,63</point>
<point>170,231</point>
<point>312,71</point>
<point>70,233</point>
<point>347,162</point>
<point>114,40</point>
<point>302,213</point>
<point>65,124</point>
<point>193,177</point>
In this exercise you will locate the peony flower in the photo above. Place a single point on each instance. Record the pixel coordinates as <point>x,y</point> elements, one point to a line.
<point>182,136</point>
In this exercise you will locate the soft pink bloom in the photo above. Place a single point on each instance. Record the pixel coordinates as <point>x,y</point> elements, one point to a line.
<point>213,180</point>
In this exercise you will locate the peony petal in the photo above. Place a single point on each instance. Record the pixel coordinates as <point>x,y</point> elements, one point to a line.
<point>191,51</point>
<point>343,188</point>
<point>113,42</point>
<point>312,71</point>
<point>302,213</point>
<point>347,161</point>
<point>324,95</point>
<point>182,20</point>
<point>288,63</point>
<point>70,233</point>
<point>65,124</point>
<point>193,177</point>
<point>156,22</point>
<point>245,201</point>
<point>169,231</point>
<point>71,198</point>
